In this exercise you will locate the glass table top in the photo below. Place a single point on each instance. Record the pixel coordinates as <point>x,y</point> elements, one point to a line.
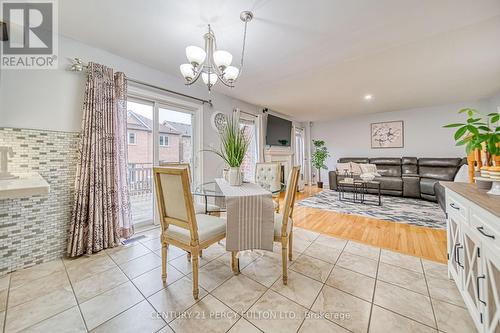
<point>211,189</point>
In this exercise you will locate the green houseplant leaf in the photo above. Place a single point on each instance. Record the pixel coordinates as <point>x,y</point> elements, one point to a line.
<point>319,156</point>
<point>234,144</point>
<point>478,132</point>
<point>460,132</point>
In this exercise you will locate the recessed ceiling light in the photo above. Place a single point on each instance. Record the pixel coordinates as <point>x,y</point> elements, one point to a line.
<point>368,97</point>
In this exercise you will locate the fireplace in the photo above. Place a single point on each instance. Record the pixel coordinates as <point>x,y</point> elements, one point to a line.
<point>284,157</point>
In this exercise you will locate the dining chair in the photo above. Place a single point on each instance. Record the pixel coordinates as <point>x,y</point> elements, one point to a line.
<point>283,223</point>
<point>199,208</point>
<point>180,225</point>
<point>267,176</point>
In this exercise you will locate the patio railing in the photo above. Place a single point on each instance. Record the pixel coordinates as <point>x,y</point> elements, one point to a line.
<point>140,179</point>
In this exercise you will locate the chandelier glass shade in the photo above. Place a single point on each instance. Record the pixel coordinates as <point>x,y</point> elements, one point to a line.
<point>212,64</point>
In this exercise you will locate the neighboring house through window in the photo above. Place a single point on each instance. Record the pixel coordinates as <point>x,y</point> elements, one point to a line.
<point>163,140</point>
<point>131,138</point>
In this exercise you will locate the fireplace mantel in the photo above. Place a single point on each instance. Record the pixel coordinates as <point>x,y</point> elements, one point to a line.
<point>284,155</point>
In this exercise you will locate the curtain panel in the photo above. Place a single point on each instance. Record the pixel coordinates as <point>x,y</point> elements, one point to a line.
<point>101,211</point>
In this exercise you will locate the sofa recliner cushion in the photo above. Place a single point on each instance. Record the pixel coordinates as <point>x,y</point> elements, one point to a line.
<point>440,173</point>
<point>440,162</point>
<point>409,165</point>
<point>389,170</point>
<point>427,185</point>
<point>390,183</point>
<point>353,159</point>
<point>386,161</point>
<point>387,167</point>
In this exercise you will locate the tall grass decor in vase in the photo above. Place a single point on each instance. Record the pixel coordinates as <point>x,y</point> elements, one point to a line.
<point>233,147</point>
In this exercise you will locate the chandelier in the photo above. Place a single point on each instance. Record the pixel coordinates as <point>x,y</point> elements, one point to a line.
<point>213,64</point>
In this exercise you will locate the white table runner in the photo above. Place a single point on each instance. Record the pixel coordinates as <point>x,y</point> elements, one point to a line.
<point>250,216</point>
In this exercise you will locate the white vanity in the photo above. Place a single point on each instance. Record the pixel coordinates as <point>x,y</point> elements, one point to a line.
<point>473,228</point>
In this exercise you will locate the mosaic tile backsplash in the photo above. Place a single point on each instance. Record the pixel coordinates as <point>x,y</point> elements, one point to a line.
<point>34,230</point>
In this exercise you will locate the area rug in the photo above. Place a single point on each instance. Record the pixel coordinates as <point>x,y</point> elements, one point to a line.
<point>397,209</point>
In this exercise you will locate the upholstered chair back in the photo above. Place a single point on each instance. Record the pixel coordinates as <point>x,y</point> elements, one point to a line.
<point>267,176</point>
<point>175,202</point>
<point>291,191</point>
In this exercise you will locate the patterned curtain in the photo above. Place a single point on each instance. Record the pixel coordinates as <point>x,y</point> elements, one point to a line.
<point>101,212</point>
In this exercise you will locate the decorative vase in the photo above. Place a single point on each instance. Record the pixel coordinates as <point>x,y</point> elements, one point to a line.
<point>234,176</point>
<point>481,184</point>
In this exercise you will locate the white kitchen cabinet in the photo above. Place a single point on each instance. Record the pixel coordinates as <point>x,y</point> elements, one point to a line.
<point>473,230</point>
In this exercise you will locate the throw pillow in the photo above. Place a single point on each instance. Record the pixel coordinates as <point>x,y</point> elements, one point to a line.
<point>342,167</point>
<point>369,168</point>
<point>356,169</point>
<point>462,174</point>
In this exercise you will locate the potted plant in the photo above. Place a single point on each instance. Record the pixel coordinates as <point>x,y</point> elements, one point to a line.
<point>233,147</point>
<point>478,132</point>
<point>319,157</point>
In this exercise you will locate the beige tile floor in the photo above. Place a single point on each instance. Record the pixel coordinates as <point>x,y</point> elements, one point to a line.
<point>334,286</point>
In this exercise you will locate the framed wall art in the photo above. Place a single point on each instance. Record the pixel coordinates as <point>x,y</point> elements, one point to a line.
<point>389,134</point>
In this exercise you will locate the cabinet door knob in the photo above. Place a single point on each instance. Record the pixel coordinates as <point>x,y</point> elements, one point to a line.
<point>452,205</point>
<point>481,230</point>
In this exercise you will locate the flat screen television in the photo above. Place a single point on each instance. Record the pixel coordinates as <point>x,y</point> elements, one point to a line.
<point>279,131</point>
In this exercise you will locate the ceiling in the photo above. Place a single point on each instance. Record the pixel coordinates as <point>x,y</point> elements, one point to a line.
<point>313,59</point>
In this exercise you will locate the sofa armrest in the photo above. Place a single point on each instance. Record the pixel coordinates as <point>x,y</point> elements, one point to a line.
<point>411,186</point>
<point>332,178</point>
<point>440,195</point>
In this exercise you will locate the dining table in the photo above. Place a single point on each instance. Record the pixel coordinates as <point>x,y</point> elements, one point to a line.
<point>210,191</point>
<point>249,211</point>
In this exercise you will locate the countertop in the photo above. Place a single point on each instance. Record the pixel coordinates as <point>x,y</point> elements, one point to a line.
<point>28,184</point>
<point>489,202</point>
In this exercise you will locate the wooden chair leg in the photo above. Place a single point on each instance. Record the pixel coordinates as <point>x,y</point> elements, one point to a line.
<point>290,246</point>
<point>235,262</point>
<point>284,259</point>
<point>164,254</point>
<point>196,290</point>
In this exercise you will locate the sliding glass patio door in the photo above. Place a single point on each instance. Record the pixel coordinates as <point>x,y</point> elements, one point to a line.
<point>140,159</point>
<point>158,133</point>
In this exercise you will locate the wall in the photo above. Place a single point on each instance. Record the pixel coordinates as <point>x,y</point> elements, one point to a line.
<point>35,229</point>
<point>52,99</point>
<point>423,133</point>
<point>40,117</point>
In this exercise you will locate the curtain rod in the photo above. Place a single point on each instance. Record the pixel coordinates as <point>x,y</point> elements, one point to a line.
<point>78,66</point>
<point>241,111</point>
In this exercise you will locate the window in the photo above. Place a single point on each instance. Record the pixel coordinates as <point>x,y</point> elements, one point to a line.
<point>299,150</point>
<point>131,138</point>
<point>163,140</point>
<point>248,165</point>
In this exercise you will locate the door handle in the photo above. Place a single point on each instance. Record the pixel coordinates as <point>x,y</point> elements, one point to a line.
<point>457,257</point>
<point>481,230</point>
<point>452,205</point>
<point>478,289</point>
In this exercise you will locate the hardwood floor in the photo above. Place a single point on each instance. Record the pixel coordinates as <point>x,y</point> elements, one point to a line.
<point>416,241</point>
